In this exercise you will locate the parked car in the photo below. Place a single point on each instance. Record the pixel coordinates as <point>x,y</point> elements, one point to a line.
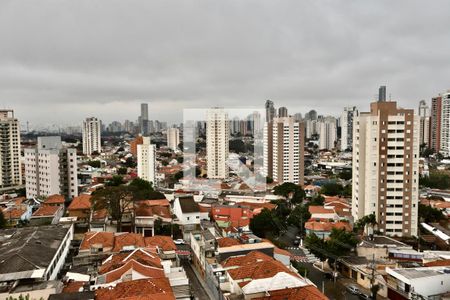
<point>179,242</point>
<point>353,289</point>
<point>365,296</point>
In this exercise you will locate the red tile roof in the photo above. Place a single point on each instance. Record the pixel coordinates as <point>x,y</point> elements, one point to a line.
<point>142,289</point>
<point>141,256</point>
<point>317,209</point>
<point>73,286</point>
<point>145,210</point>
<point>438,263</point>
<point>82,202</point>
<point>244,260</point>
<point>128,239</point>
<point>100,214</point>
<point>97,238</point>
<point>327,226</point>
<point>165,243</point>
<point>14,213</point>
<point>46,210</point>
<point>146,271</point>
<point>55,199</point>
<point>308,292</point>
<point>227,242</point>
<point>259,270</point>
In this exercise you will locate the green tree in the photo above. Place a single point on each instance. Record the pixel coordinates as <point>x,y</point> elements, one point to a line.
<point>144,190</point>
<point>339,243</point>
<point>94,163</point>
<point>269,180</point>
<point>122,171</point>
<point>436,180</point>
<point>316,245</point>
<point>3,221</point>
<point>237,146</point>
<point>345,175</point>
<point>291,191</point>
<point>116,180</point>
<point>263,224</point>
<point>429,214</point>
<point>331,189</point>
<point>299,216</point>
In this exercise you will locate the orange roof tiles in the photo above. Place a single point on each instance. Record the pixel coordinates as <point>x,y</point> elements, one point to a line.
<point>97,238</point>
<point>14,213</point>
<point>259,270</point>
<point>82,202</point>
<point>317,209</point>
<point>46,210</point>
<point>438,263</point>
<point>327,226</point>
<point>308,292</point>
<point>100,214</point>
<point>141,256</point>
<point>55,199</point>
<point>227,242</point>
<point>128,239</point>
<point>73,286</point>
<point>142,289</point>
<point>144,210</point>
<point>244,260</point>
<point>142,269</point>
<point>163,242</point>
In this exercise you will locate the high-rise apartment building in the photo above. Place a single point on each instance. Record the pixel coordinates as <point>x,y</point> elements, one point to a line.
<point>382,93</point>
<point>327,133</point>
<point>173,138</point>
<point>91,131</point>
<point>11,171</point>
<point>386,168</point>
<point>146,160</point>
<point>51,169</point>
<point>270,111</point>
<point>143,119</point>
<point>282,112</point>
<point>347,117</point>
<point>283,149</point>
<point>445,125</point>
<point>424,115</point>
<point>435,123</point>
<point>217,143</point>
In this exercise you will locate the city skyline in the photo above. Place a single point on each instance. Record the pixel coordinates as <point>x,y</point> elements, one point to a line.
<point>112,60</point>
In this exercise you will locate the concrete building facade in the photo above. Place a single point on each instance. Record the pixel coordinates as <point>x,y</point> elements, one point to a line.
<point>11,171</point>
<point>173,138</point>
<point>146,160</point>
<point>347,117</point>
<point>217,143</point>
<point>327,133</point>
<point>91,131</point>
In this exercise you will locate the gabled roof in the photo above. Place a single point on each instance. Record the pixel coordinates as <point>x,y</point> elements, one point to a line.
<point>46,211</point>
<point>106,239</point>
<point>327,226</point>
<point>142,289</point>
<point>128,239</point>
<point>317,209</point>
<point>259,270</point>
<point>142,256</point>
<point>13,213</point>
<point>55,199</point>
<point>308,292</point>
<point>145,210</point>
<point>247,259</point>
<point>81,202</point>
<point>227,241</point>
<point>188,205</point>
<point>165,243</point>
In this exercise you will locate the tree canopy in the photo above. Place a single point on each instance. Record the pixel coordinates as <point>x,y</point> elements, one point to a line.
<point>429,214</point>
<point>436,180</point>
<point>290,191</point>
<point>340,243</point>
<point>264,224</point>
<point>3,221</point>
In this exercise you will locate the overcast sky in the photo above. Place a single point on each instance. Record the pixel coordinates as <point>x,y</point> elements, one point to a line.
<point>61,61</point>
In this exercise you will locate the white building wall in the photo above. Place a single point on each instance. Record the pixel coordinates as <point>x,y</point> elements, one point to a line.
<point>11,171</point>
<point>91,133</point>
<point>173,138</point>
<point>146,165</point>
<point>217,143</point>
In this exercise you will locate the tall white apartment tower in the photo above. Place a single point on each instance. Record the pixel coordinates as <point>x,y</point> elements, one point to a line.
<point>445,124</point>
<point>327,133</point>
<point>217,143</point>
<point>92,136</point>
<point>11,172</point>
<point>173,138</point>
<point>283,150</point>
<point>51,169</point>
<point>146,160</point>
<point>425,122</point>
<point>386,168</point>
<point>347,127</point>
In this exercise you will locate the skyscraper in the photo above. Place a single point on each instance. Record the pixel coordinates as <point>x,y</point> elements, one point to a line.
<point>445,125</point>
<point>146,160</point>
<point>386,168</point>
<point>51,169</point>
<point>91,132</point>
<point>382,94</point>
<point>143,121</point>
<point>217,143</point>
<point>11,172</point>
<point>327,133</point>
<point>173,138</point>
<point>283,149</point>
<point>347,127</point>
<point>435,123</point>
<point>282,112</point>
<point>424,115</point>
<point>270,111</point>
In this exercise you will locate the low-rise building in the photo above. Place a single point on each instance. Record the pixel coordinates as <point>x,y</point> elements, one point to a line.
<point>47,215</point>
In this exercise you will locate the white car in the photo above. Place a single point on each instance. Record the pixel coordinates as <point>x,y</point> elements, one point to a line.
<point>353,289</point>
<point>179,242</point>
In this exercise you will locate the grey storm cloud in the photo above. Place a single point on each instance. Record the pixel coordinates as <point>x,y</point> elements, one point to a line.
<point>61,61</point>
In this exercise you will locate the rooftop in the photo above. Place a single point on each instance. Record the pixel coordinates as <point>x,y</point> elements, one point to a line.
<point>188,205</point>
<point>46,211</point>
<point>142,289</point>
<point>55,199</point>
<point>82,202</point>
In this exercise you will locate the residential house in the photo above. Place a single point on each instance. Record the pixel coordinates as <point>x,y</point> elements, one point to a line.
<point>322,213</point>
<point>147,212</point>
<point>47,215</point>
<point>55,200</point>
<point>322,228</point>
<point>381,247</point>
<point>188,214</point>
<point>148,288</point>
<point>80,207</point>
<point>308,292</point>
<point>203,245</point>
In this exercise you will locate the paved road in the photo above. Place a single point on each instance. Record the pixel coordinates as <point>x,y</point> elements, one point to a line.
<point>196,287</point>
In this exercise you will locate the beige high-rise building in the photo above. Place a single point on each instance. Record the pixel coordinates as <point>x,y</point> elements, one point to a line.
<point>173,138</point>
<point>386,168</point>
<point>284,140</point>
<point>327,133</point>
<point>217,143</point>
<point>11,172</point>
<point>51,169</point>
<point>146,160</point>
<point>347,127</point>
<point>91,132</point>
<point>424,114</point>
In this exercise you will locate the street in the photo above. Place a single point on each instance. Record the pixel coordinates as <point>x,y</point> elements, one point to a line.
<point>197,288</point>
